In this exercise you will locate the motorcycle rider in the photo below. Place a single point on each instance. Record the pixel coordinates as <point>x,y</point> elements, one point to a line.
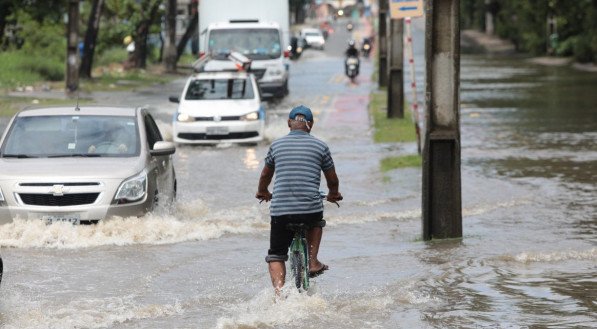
<point>351,51</point>
<point>366,47</point>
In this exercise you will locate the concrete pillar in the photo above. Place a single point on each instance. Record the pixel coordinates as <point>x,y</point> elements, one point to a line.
<point>396,71</point>
<point>442,209</point>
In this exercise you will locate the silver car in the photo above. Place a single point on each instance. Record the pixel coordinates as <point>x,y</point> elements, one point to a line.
<point>83,165</point>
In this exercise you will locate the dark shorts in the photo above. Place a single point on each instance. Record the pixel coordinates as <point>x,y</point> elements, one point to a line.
<point>280,237</point>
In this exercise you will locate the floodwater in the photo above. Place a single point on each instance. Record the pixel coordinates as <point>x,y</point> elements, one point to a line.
<point>527,257</point>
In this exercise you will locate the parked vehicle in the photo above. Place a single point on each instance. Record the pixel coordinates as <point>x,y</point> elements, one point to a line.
<point>83,165</point>
<point>219,106</point>
<point>259,31</point>
<point>313,38</point>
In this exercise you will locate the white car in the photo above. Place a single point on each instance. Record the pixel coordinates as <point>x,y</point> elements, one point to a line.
<point>219,107</point>
<point>83,165</point>
<point>313,38</point>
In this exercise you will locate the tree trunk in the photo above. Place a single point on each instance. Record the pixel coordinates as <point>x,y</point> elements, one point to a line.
<point>72,41</point>
<point>170,44</point>
<point>191,31</point>
<point>91,38</point>
<point>139,58</point>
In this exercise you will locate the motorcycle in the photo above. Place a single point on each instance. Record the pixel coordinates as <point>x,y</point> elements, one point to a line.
<point>296,47</point>
<point>366,47</point>
<point>352,67</point>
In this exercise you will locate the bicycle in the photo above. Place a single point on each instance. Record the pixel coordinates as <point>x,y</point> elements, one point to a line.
<point>299,251</point>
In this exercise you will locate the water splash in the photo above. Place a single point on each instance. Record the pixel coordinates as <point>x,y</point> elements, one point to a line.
<point>190,222</point>
<point>86,313</point>
<point>267,311</point>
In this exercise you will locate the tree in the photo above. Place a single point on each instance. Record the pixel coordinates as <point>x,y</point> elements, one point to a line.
<point>170,42</point>
<point>90,38</point>
<point>191,30</point>
<point>148,14</point>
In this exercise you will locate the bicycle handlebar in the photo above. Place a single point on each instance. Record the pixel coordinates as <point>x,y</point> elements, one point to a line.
<point>322,195</point>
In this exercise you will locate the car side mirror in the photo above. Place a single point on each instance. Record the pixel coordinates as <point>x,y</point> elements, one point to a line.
<point>174,99</point>
<point>163,148</point>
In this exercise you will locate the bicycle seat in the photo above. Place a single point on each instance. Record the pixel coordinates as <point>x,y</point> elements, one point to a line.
<point>297,227</point>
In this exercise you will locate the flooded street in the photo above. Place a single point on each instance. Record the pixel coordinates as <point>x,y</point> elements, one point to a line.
<point>528,257</point>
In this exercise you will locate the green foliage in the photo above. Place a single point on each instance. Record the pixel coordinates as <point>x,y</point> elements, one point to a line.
<point>44,39</point>
<point>116,54</point>
<point>527,24</point>
<point>583,52</point>
<point>48,68</point>
<point>11,74</point>
<point>20,69</point>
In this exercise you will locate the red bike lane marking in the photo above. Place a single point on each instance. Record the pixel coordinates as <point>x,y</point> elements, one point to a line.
<point>349,110</point>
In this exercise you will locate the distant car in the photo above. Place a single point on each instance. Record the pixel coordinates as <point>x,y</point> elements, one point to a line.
<point>83,165</point>
<point>219,106</point>
<point>313,37</point>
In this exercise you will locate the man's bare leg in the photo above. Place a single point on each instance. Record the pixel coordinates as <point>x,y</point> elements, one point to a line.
<point>277,271</point>
<point>314,239</point>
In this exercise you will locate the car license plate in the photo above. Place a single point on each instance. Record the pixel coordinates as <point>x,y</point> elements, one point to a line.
<point>74,219</point>
<point>216,130</point>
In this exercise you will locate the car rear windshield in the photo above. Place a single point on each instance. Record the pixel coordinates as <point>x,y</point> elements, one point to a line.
<point>220,89</point>
<point>253,43</point>
<point>72,136</point>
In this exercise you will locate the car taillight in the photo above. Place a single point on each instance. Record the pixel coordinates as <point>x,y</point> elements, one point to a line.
<point>286,54</point>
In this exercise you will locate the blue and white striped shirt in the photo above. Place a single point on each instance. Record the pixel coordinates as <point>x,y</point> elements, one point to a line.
<point>298,160</point>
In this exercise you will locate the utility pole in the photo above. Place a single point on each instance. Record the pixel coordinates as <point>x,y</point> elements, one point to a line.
<point>383,44</point>
<point>442,208</point>
<point>396,72</point>
<point>72,56</point>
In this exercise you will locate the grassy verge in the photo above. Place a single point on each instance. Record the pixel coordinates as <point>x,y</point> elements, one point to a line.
<point>21,71</point>
<point>392,131</point>
<point>405,161</point>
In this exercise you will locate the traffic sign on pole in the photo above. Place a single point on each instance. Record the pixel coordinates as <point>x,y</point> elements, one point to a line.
<point>405,8</point>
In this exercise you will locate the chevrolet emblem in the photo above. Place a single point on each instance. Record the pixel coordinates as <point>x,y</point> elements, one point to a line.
<point>58,190</point>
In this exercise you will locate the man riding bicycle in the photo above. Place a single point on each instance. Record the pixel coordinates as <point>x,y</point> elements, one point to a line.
<point>298,160</point>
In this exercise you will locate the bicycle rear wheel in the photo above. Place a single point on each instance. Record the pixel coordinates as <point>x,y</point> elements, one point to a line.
<point>297,268</point>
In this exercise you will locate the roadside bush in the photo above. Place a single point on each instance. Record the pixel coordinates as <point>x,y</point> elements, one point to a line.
<point>566,47</point>
<point>115,54</point>
<point>582,49</point>
<point>533,43</point>
<point>48,69</point>
<point>11,74</point>
<point>43,40</point>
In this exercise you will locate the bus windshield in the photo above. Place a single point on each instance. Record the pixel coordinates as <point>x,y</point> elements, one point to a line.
<point>253,43</point>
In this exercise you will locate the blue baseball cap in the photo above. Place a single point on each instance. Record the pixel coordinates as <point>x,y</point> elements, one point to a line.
<point>301,109</point>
